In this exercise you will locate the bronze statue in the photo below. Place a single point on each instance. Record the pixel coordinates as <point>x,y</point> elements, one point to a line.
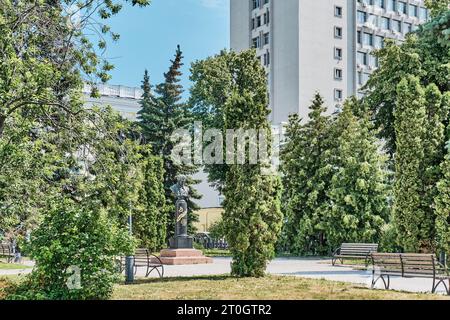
<point>180,190</point>
<point>181,240</point>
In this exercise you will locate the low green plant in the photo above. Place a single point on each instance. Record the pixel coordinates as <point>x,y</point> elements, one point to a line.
<point>75,249</point>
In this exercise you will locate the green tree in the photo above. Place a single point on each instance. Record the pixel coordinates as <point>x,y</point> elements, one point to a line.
<point>94,190</point>
<point>425,54</point>
<point>57,51</point>
<point>291,162</point>
<point>437,7</point>
<point>62,151</point>
<point>396,62</point>
<point>443,206</point>
<point>75,249</point>
<point>161,115</point>
<point>40,88</point>
<point>213,80</point>
<point>132,177</point>
<point>358,193</point>
<point>217,230</point>
<point>414,226</point>
<point>150,228</point>
<point>308,169</point>
<point>434,148</point>
<point>252,216</point>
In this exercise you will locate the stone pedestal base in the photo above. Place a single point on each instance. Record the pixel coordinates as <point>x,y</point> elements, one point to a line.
<point>181,242</point>
<point>183,257</point>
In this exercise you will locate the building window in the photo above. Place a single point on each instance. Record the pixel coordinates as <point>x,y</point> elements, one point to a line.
<point>338,74</point>
<point>391,5</point>
<point>338,11</point>
<point>373,19</point>
<point>423,14</point>
<point>338,32</point>
<point>397,25</point>
<point>338,94</point>
<point>359,37</point>
<point>407,28</point>
<point>385,23</point>
<point>362,58</point>
<point>413,11</point>
<point>338,53</point>
<point>267,59</point>
<point>258,21</point>
<point>379,42</point>
<point>363,77</point>
<point>368,39</point>
<point>362,17</point>
<point>266,39</point>
<point>402,7</point>
<point>256,43</point>
<point>266,18</point>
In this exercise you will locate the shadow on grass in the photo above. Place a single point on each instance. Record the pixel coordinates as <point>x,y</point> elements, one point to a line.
<point>140,281</point>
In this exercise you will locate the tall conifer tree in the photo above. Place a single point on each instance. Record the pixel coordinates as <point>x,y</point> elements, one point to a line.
<point>443,206</point>
<point>252,215</point>
<point>412,223</point>
<point>161,115</point>
<point>306,164</point>
<point>358,197</point>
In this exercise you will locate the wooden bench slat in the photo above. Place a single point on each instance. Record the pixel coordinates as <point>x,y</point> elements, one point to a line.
<point>408,266</point>
<point>354,251</point>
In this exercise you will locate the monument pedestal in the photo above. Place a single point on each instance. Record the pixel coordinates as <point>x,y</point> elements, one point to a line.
<point>175,257</point>
<point>181,250</point>
<point>181,242</point>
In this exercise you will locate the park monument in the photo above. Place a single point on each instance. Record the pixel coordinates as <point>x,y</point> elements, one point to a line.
<point>181,251</point>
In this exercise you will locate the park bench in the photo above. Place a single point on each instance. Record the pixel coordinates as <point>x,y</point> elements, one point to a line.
<point>6,252</point>
<point>354,251</point>
<point>144,258</point>
<point>407,265</point>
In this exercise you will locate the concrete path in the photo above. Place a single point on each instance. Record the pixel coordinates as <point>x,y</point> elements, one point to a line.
<point>302,267</point>
<point>297,267</point>
<point>28,269</point>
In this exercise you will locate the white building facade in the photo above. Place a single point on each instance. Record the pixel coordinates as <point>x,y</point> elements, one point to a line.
<point>324,46</point>
<point>123,99</point>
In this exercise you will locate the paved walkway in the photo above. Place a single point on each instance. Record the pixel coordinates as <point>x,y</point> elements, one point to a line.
<point>297,267</point>
<point>27,263</point>
<point>303,267</point>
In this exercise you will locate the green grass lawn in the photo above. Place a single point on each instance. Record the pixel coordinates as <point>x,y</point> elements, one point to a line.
<point>268,288</point>
<point>216,253</point>
<point>12,266</point>
<point>229,288</point>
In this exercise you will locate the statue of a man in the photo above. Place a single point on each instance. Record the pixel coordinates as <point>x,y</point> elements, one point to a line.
<point>181,192</point>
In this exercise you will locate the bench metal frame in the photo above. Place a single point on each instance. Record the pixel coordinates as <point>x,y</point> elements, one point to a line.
<point>145,260</point>
<point>354,251</point>
<point>398,264</point>
<point>6,252</point>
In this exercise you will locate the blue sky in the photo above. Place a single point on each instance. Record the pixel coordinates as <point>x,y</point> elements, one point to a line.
<point>149,37</point>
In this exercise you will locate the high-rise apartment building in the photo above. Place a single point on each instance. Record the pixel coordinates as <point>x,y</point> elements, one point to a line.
<point>324,46</point>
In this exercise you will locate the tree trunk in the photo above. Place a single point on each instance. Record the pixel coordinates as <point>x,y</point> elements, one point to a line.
<point>2,125</point>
